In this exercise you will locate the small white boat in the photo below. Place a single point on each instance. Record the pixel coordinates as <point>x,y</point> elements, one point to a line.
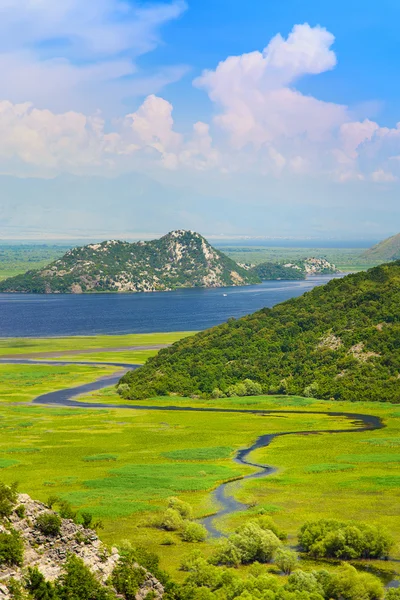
<point>224,295</point>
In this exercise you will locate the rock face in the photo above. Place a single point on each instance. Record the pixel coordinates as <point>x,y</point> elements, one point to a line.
<point>49,554</point>
<point>180,259</point>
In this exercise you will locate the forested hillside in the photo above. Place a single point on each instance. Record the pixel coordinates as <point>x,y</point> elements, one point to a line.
<point>340,341</point>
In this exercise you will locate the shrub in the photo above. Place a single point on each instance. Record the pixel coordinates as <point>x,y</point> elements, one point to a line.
<point>49,524</point>
<point>87,519</point>
<point>52,500</point>
<point>194,532</point>
<point>286,560</point>
<point>66,510</point>
<point>11,548</point>
<point>254,543</point>
<point>38,587</point>
<point>266,522</point>
<point>8,498</point>
<point>171,520</point>
<point>347,540</point>
<point>183,508</point>
<point>20,511</point>
<point>127,577</point>
<point>78,582</point>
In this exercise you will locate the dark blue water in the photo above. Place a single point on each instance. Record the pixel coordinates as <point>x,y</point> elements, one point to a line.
<point>58,315</point>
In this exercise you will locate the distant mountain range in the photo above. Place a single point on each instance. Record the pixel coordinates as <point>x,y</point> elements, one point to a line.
<point>387,250</point>
<point>339,341</point>
<point>180,259</point>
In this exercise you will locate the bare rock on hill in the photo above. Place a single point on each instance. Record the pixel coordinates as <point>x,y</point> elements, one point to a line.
<point>49,553</point>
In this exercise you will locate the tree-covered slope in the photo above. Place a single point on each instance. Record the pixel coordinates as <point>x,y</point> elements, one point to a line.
<point>269,271</point>
<point>179,259</point>
<point>340,341</point>
<point>387,250</point>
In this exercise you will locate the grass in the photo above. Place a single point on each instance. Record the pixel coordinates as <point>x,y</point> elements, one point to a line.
<point>345,259</point>
<point>18,346</point>
<point>122,465</point>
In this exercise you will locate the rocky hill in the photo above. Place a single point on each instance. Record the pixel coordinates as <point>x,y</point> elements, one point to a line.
<point>298,270</point>
<point>180,259</point>
<point>387,250</point>
<point>337,341</point>
<point>52,554</point>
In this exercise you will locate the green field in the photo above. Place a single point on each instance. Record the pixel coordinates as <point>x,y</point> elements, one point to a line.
<point>123,465</point>
<point>345,259</point>
<point>19,258</point>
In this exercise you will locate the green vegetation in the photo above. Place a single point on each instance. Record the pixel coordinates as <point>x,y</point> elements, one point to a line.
<point>346,540</point>
<point>8,497</point>
<point>49,524</point>
<point>11,548</point>
<point>179,259</point>
<point>345,259</point>
<point>387,250</point>
<point>72,346</point>
<point>272,271</point>
<point>337,341</point>
<point>16,259</point>
<point>139,458</point>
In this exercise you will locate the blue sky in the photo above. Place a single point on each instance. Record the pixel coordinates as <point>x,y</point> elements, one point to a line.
<point>263,118</point>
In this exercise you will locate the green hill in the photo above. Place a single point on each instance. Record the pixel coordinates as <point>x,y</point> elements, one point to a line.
<point>387,250</point>
<point>179,259</point>
<point>340,341</point>
<point>268,271</point>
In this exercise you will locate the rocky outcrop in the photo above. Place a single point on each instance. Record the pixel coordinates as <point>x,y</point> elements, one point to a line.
<point>180,259</point>
<point>49,553</point>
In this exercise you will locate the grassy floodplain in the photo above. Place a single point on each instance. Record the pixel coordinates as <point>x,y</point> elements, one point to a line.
<point>123,465</point>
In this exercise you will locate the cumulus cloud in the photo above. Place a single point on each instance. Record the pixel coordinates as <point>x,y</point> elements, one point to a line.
<point>262,123</point>
<point>253,90</point>
<point>81,55</point>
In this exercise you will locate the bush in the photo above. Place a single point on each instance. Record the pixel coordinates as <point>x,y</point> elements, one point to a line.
<point>194,532</point>
<point>266,522</point>
<point>20,511</point>
<point>127,577</point>
<point>38,587</point>
<point>79,583</point>
<point>8,498</point>
<point>66,510</point>
<point>171,520</point>
<point>52,500</point>
<point>183,508</point>
<point>347,540</point>
<point>49,524</point>
<point>11,548</point>
<point>249,544</point>
<point>87,519</point>
<point>286,560</point>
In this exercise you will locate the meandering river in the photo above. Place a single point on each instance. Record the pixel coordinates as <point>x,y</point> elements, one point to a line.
<point>223,494</point>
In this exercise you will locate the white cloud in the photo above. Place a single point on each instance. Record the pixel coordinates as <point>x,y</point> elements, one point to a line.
<point>81,54</point>
<point>258,106</point>
<point>263,124</point>
<point>381,176</point>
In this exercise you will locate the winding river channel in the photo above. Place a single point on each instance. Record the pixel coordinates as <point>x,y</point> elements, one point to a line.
<point>223,494</point>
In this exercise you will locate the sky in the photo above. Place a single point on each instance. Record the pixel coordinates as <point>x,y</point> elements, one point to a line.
<point>273,118</point>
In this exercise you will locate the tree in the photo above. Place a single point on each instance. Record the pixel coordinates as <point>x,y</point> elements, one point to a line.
<point>194,532</point>
<point>286,560</point>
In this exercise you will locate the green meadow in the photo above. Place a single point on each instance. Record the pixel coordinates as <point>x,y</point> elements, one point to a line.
<point>123,465</point>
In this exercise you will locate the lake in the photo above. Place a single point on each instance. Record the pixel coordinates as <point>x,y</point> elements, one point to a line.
<point>58,315</point>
